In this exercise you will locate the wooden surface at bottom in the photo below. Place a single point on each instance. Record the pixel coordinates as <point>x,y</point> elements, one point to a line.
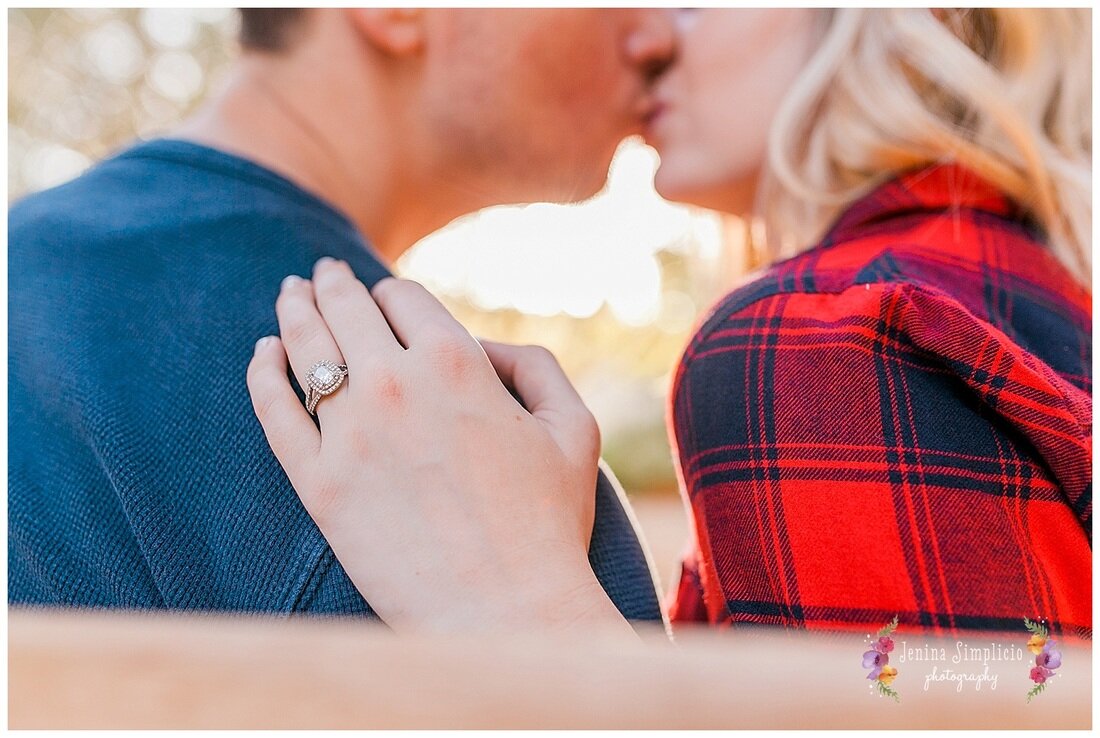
<point>97,669</point>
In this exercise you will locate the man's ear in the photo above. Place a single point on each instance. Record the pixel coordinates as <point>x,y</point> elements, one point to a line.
<point>393,31</point>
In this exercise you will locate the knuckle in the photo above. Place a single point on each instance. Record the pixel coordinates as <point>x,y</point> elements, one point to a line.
<point>384,386</point>
<point>541,354</point>
<point>389,389</point>
<point>337,287</point>
<point>265,398</point>
<point>289,299</point>
<point>283,299</point>
<point>453,353</point>
<point>264,405</point>
<point>408,285</point>
<point>588,431</point>
<point>445,342</point>
<point>295,330</point>
<point>385,287</point>
<point>442,339</point>
<point>254,372</point>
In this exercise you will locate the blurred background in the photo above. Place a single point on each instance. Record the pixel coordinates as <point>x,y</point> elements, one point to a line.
<point>612,286</point>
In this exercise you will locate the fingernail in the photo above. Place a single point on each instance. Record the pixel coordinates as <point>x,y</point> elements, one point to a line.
<point>291,280</point>
<point>323,261</point>
<point>265,342</point>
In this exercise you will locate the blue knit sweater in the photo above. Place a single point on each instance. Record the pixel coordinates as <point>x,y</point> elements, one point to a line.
<point>138,474</point>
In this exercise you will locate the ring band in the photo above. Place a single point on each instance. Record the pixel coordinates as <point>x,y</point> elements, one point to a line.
<point>322,379</point>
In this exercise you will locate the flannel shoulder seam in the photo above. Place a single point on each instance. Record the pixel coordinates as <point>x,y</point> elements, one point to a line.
<point>776,284</point>
<point>908,291</point>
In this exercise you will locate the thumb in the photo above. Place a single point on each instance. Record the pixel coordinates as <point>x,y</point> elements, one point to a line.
<point>532,373</point>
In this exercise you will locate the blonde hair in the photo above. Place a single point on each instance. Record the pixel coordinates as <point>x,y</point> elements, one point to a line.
<point>1004,92</point>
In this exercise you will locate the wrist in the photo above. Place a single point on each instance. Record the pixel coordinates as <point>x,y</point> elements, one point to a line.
<point>582,604</point>
<point>553,596</point>
<point>561,597</point>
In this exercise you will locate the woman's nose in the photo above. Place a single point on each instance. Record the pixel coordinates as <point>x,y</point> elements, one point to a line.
<point>652,44</point>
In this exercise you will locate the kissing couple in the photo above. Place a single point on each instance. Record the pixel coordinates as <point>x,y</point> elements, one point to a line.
<point>892,418</point>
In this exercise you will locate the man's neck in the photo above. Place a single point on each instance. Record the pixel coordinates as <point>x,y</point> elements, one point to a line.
<point>266,115</point>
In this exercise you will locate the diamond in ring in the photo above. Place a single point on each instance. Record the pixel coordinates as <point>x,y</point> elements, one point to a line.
<point>323,378</point>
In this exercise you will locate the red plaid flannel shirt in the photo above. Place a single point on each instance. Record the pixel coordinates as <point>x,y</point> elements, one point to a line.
<point>897,421</point>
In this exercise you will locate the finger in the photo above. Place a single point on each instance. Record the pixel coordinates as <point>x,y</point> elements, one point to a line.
<point>307,340</point>
<point>414,314</point>
<point>289,429</point>
<point>535,375</point>
<point>353,318</point>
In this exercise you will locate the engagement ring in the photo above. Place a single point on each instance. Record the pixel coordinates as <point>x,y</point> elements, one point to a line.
<point>323,378</point>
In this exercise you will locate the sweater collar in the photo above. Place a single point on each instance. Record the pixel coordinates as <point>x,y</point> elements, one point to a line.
<point>939,187</point>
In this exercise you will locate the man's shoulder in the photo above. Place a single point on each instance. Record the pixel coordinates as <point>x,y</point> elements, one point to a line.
<point>144,254</point>
<point>130,199</point>
<point>169,215</point>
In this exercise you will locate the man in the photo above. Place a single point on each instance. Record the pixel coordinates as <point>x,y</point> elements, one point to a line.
<point>139,476</point>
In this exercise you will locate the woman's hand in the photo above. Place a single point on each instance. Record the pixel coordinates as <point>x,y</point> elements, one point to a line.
<point>449,505</point>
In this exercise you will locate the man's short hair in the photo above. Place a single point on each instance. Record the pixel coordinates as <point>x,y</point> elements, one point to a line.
<point>269,29</point>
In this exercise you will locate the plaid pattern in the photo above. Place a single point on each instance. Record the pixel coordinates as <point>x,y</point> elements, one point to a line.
<point>897,421</point>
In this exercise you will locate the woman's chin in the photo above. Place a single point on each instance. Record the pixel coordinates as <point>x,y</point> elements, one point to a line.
<point>668,185</point>
<point>732,198</point>
<point>684,192</point>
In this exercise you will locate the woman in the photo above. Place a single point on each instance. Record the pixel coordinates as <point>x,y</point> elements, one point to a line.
<point>894,419</point>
